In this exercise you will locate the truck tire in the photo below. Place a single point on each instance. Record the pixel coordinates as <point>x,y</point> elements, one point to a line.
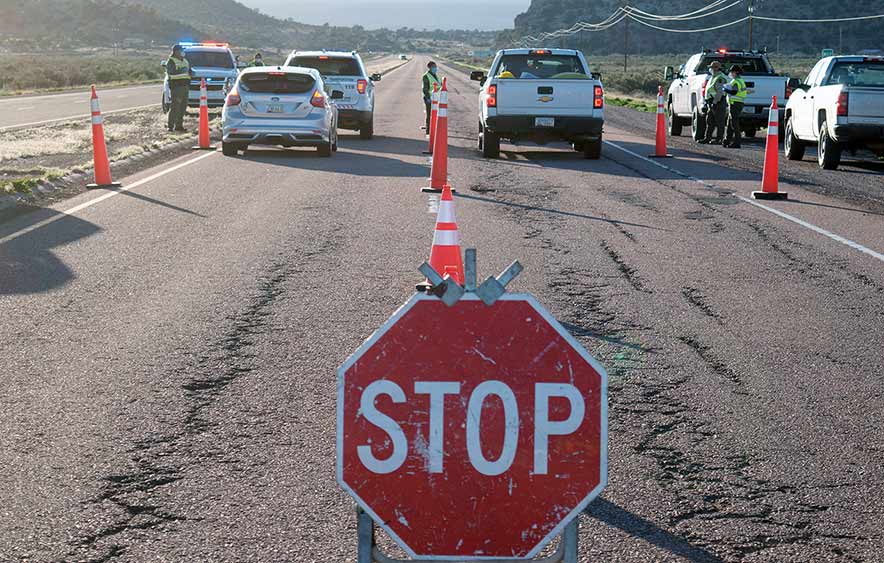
<point>675,124</point>
<point>698,124</point>
<point>490,145</point>
<point>592,150</point>
<point>829,151</point>
<point>229,149</point>
<point>366,132</point>
<point>792,146</point>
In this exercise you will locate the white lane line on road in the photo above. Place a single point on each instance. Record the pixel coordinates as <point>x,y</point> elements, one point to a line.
<point>819,230</point>
<point>101,198</point>
<point>72,117</point>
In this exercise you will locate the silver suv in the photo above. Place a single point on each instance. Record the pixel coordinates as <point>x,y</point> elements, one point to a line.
<point>215,63</point>
<point>280,106</point>
<point>344,71</point>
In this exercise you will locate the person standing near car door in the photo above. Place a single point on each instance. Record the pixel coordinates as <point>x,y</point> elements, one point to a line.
<point>736,98</point>
<point>178,72</point>
<point>429,80</point>
<point>717,106</point>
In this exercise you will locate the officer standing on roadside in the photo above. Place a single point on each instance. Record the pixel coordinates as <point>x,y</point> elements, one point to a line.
<point>178,71</point>
<point>257,61</point>
<point>716,105</point>
<point>736,98</point>
<point>429,80</point>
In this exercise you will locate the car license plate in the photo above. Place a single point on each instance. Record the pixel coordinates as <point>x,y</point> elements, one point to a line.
<point>544,122</point>
<point>274,108</point>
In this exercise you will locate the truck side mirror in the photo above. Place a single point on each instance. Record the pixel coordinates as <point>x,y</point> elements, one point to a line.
<point>477,75</point>
<point>795,84</point>
<point>596,75</point>
<point>376,77</point>
<point>668,73</point>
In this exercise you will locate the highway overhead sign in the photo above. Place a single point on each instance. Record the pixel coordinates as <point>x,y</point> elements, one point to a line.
<point>472,431</point>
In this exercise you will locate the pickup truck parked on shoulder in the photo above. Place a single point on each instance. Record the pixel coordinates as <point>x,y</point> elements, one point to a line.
<point>839,106</point>
<point>540,96</point>
<point>685,100</point>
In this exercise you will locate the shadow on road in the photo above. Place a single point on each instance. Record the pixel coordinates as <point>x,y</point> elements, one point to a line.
<point>345,162</point>
<point>28,263</point>
<point>814,204</point>
<point>557,212</point>
<point>147,199</point>
<point>636,526</point>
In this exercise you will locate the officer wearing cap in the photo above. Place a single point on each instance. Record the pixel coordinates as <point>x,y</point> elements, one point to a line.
<point>736,98</point>
<point>716,106</point>
<point>428,80</point>
<point>178,71</point>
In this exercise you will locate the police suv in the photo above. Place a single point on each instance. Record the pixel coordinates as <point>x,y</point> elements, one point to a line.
<point>344,71</point>
<point>212,61</point>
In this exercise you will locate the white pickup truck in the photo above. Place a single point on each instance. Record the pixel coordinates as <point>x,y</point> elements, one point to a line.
<point>840,105</point>
<point>540,96</point>
<point>687,92</point>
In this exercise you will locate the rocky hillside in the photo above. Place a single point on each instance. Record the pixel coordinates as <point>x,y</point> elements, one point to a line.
<point>549,15</point>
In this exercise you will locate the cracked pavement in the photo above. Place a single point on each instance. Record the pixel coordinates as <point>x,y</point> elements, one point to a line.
<point>168,372</point>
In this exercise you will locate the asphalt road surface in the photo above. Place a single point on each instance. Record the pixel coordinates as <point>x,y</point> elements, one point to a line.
<point>169,352</point>
<point>28,111</point>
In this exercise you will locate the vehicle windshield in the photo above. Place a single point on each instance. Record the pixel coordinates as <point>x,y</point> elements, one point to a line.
<point>865,73</point>
<point>751,65</point>
<point>212,59</point>
<point>539,66</point>
<point>277,83</point>
<point>329,66</point>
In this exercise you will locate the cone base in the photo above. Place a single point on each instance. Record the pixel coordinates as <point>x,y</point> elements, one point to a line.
<point>659,156</point>
<point>209,148</point>
<point>99,186</point>
<point>770,195</point>
<point>431,190</point>
<point>423,287</point>
<point>426,152</point>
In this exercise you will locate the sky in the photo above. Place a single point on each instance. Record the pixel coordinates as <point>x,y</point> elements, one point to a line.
<point>419,14</point>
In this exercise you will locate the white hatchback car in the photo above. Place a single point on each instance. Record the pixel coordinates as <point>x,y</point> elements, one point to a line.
<point>281,106</point>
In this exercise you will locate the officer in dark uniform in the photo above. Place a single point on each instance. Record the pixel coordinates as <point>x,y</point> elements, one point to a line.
<point>179,73</point>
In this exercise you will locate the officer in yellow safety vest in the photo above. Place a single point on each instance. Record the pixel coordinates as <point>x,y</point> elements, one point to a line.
<point>716,106</point>
<point>429,80</point>
<point>178,71</point>
<point>736,98</point>
<point>257,61</point>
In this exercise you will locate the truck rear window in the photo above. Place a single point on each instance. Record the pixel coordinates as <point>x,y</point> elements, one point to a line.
<point>329,66</point>
<point>211,59</point>
<point>288,83</point>
<point>539,66</point>
<point>750,65</point>
<point>866,73</point>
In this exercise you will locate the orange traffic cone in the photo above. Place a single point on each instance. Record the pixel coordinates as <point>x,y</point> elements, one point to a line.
<point>99,149</point>
<point>434,113</point>
<point>439,175</point>
<point>660,145</point>
<point>771,177</point>
<point>445,255</point>
<point>203,139</point>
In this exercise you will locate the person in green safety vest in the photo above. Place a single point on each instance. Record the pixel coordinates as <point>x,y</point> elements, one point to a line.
<point>736,98</point>
<point>429,79</point>
<point>716,106</point>
<point>257,61</point>
<point>179,73</point>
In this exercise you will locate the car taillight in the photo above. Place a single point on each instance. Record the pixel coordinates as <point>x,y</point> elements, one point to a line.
<point>703,89</point>
<point>491,101</point>
<point>233,98</point>
<point>361,85</point>
<point>317,100</point>
<point>598,97</point>
<point>843,102</point>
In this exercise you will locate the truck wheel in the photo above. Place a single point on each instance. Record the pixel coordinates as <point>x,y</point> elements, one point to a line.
<point>829,150</point>
<point>698,125</point>
<point>792,146</point>
<point>592,150</point>
<point>480,137</point>
<point>366,132</point>
<point>229,149</point>
<point>674,123</point>
<point>490,145</point>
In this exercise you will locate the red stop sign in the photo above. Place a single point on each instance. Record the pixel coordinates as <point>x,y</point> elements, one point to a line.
<point>472,431</point>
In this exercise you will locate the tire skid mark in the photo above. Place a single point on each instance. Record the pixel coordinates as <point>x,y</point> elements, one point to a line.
<point>698,299</point>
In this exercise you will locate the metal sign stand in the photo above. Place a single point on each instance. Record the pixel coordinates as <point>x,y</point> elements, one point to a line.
<point>451,292</point>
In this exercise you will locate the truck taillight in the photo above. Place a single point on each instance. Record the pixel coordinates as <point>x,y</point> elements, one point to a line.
<point>317,100</point>
<point>361,85</point>
<point>843,102</point>
<point>598,97</point>
<point>491,101</point>
<point>703,89</point>
<point>788,92</point>
<point>233,98</point>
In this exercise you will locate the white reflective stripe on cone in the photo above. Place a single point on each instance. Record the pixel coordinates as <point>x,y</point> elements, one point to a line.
<point>773,128</point>
<point>446,212</point>
<point>445,238</point>
<point>443,112</point>
<point>94,105</point>
<point>96,120</point>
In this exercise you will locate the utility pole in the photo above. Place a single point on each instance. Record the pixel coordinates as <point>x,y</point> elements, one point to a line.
<point>626,47</point>
<point>751,11</point>
<point>840,40</point>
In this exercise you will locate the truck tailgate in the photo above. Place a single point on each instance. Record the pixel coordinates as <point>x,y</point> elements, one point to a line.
<point>572,97</point>
<point>866,105</point>
<point>764,88</point>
